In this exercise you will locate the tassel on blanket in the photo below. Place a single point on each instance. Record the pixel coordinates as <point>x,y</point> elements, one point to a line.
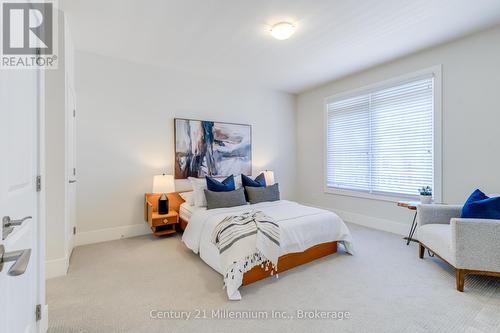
<point>246,264</point>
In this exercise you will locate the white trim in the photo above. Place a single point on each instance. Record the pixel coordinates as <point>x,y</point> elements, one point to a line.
<point>368,221</point>
<point>108,234</point>
<point>437,190</point>
<point>42,325</point>
<point>69,238</point>
<point>56,267</point>
<point>436,71</point>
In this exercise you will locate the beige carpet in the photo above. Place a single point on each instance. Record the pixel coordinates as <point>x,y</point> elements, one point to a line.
<point>113,286</point>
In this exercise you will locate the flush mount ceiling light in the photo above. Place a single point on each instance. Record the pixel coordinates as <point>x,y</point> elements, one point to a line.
<point>282,30</point>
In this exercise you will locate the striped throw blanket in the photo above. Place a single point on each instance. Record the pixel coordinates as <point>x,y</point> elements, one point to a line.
<point>245,241</point>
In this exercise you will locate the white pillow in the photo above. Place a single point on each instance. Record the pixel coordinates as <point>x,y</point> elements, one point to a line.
<point>237,182</point>
<point>188,197</point>
<point>199,186</point>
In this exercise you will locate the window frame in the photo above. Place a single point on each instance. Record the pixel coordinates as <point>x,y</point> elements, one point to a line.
<point>436,71</point>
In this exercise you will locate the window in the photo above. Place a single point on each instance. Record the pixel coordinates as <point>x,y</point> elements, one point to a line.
<point>381,141</point>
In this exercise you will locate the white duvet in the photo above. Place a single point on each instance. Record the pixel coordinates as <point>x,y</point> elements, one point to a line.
<point>301,227</point>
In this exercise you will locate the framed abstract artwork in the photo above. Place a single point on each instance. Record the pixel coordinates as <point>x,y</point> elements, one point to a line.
<point>210,148</point>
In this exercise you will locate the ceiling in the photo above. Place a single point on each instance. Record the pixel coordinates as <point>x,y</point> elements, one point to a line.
<point>229,39</point>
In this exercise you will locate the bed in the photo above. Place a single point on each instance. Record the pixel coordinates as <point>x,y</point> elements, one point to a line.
<point>186,211</point>
<point>307,233</point>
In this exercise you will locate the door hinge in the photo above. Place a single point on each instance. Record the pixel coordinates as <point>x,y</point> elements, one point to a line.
<point>74,113</point>
<point>38,312</point>
<point>74,230</point>
<point>38,183</point>
<point>74,171</point>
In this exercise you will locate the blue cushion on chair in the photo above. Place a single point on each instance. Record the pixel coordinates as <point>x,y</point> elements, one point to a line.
<point>480,206</point>
<point>260,181</point>
<point>214,185</point>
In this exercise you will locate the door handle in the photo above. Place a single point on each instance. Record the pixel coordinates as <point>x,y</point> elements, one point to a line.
<point>7,222</point>
<point>72,181</point>
<point>21,260</point>
<point>8,225</point>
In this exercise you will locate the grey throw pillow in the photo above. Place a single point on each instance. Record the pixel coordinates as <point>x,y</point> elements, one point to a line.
<point>225,199</point>
<point>262,194</point>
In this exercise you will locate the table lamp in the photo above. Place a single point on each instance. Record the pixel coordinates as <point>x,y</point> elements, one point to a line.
<point>163,184</point>
<point>269,177</point>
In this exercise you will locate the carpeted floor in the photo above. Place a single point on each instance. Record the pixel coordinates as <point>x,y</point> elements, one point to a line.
<point>114,286</point>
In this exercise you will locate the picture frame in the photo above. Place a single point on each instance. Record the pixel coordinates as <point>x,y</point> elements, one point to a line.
<point>211,148</point>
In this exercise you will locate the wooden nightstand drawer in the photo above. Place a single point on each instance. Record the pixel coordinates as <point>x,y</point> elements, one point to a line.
<point>159,221</point>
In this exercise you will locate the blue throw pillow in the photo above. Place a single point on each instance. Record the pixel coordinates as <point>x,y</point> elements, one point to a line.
<point>214,185</point>
<point>260,181</point>
<point>480,206</point>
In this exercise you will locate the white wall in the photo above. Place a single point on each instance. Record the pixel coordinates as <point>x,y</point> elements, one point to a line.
<point>471,127</point>
<point>125,135</point>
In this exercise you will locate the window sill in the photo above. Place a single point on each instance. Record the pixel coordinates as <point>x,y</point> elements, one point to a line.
<point>370,196</point>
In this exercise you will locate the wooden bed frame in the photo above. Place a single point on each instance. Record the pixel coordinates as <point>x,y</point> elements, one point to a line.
<point>285,262</point>
<point>291,260</point>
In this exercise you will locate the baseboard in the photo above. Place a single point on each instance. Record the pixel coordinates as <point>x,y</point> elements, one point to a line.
<point>59,267</point>
<point>108,234</point>
<point>369,221</point>
<point>56,267</point>
<point>374,222</point>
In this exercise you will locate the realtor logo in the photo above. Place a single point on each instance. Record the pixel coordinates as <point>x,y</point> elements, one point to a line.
<point>28,35</point>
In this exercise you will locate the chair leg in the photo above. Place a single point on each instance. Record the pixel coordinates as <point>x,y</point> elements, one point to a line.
<point>460,273</point>
<point>421,251</point>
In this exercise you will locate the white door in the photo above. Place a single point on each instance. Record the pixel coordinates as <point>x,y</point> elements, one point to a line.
<point>71,172</point>
<point>19,147</point>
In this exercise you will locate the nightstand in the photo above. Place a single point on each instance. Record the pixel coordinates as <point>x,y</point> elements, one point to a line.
<point>162,225</point>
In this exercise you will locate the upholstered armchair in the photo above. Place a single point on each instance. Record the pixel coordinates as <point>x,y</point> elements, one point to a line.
<point>471,246</point>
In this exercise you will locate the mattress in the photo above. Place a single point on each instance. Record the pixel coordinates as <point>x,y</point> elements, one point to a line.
<point>186,211</point>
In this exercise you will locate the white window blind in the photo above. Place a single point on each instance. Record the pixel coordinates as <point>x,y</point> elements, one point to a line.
<point>381,141</point>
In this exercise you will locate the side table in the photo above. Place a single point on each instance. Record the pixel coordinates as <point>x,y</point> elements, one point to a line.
<point>411,205</point>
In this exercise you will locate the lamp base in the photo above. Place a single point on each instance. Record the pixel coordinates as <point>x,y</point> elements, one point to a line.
<point>163,205</point>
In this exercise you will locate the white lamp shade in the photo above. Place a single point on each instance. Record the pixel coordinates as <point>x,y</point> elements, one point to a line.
<point>269,176</point>
<point>163,184</point>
